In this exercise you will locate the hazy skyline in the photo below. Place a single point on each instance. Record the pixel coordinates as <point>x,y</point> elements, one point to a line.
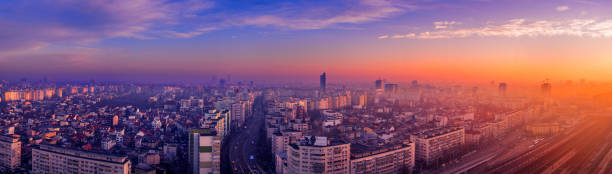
<point>428,40</point>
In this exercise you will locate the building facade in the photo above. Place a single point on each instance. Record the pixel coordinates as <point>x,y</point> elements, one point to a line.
<point>391,160</point>
<point>49,159</point>
<point>432,145</point>
<point>318,155</point>
<point>10,151</point>
<point>204,151</point>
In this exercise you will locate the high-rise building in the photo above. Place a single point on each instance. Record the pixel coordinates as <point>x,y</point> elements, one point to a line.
<point>222,82</point>
<point>433,144</point>
<point>10,151</point>
<point>502,89</point>
<point>394,159</point>
<point>13,95</point>
<point>323,82</point>
<point>238,113</point>
<point>361,100</point>
<point>379,85</point>
<point>391,88</point>
<point>49,93</point>
<point>546,88</point>
<point>60,92</point>
<point>38,95</point>
<point>204,151</point>
<point>49,159</point>
<point>318,155</point>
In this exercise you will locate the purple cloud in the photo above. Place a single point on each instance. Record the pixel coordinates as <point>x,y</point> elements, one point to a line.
<point>34,24</point>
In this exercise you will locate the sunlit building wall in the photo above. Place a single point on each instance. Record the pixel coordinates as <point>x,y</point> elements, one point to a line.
<point>10,151</point>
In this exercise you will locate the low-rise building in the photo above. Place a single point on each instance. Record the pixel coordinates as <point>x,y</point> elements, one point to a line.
<point>542,129</point>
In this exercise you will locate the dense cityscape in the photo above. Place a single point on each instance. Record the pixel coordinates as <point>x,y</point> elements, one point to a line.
<point>305,86</point>
<point>241,127</point>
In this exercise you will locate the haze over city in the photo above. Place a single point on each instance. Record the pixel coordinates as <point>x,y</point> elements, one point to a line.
<point>305,86</point>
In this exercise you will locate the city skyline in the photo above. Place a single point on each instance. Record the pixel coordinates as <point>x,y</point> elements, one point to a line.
<point>159,40</point>
<point>305,86</point>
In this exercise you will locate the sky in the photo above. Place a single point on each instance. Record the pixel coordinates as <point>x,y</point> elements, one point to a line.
<point>516,41</point>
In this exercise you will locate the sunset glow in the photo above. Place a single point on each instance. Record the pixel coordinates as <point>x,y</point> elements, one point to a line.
<point>519,41</point>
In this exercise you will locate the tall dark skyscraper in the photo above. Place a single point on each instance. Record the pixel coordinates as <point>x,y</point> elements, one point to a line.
<point>546,88</point>
<point>222,82</point>
<point>323,82</point>
<point>502,88</point>
<point>379,84</point>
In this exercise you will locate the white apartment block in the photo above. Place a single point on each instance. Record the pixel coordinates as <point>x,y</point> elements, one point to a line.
<point>390,160</point>
<point>318,155</point>
<point>49,159</point>
<point>432,144</point>
<point>10,151</point>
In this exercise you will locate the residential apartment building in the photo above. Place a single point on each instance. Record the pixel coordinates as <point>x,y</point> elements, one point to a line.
<point>10,151</point>
<point>389,160</point>
<point>318,155</point>
<point>50,159</point>
<point>433,144</point>
<point>204,151</point>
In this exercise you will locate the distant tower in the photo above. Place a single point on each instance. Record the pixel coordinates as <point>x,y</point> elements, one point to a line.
<point>502,88</point>
<point>379,84</point>
<point>546,88</point>
<point>323,82</point>
<point>222,82</point>
<point>391,88</point>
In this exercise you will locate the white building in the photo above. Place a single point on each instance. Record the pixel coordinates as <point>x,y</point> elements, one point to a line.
<point>108,143</point>
<point>318,155</point>
<point>48,159</point>
<point>331,118</point>
<point>204,151</point>
<point>432,144</point>
<point>10,151</point>
<point>394,159</point>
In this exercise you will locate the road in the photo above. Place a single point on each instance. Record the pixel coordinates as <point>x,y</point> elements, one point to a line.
<point>242,144</point>
<point>584,149</point>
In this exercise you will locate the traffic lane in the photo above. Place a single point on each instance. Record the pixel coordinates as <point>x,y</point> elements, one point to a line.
<point>242,144</point>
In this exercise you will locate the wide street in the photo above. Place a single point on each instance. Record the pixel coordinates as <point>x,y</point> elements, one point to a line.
<point>240,149</point>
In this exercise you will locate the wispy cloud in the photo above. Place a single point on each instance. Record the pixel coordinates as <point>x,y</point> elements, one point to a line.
<point>523,28</point>
<point>562,8</point>
<point>190,34</point>
<point>364,11</point>
<point>383,37</point>
<point>444,24</point>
